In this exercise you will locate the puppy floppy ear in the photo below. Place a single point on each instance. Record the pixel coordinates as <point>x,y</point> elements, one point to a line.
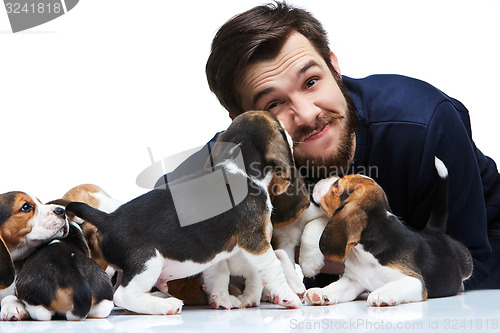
<point>7,273</point>
<point>279,184</point>
<point>343,232</point>
<point>288,206</point>
<point>281,159</point>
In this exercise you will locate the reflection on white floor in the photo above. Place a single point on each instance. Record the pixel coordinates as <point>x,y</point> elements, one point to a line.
<point>471,311</point>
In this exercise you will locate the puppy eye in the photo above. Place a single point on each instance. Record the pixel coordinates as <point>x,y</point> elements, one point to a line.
<point>26,208</point>
<point>336,184</point>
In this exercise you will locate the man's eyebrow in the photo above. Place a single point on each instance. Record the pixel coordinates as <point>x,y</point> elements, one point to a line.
<point>304,68</point>
<point>260,94</point>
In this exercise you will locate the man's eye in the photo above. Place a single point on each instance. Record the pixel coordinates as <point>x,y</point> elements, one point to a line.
<point>311,82</point>
<point>272,105</point>
<point>26,208</point>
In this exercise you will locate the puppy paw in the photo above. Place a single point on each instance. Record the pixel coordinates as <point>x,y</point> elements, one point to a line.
<point>286,297</point>
<point>39,312</point>
<point>224,302</point>
<point>252,295</point>
<point>311,264</point>
<point>72,317</point>
<point>172,306</point>
<point>298,288</point>
<point>250,300</point>
<point>12,309</point>
<point>318,296</point>
<point>101,309</point>
<point>382,297</point>
<point>289,302</point>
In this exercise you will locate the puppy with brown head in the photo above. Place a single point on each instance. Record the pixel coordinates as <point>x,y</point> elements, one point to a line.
<point>25,224</point>
<point>381,254</point>
<point>196,221</point>
<point>189,289</point>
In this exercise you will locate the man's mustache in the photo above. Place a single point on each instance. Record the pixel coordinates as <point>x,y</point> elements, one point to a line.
<point>322,120</point>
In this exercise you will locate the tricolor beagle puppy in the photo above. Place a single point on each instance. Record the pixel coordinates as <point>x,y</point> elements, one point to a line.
<point>149,242</point>
<point>189,289</point>
<point>60,278</point>
<point>25,224</point>
<point>381,254</point>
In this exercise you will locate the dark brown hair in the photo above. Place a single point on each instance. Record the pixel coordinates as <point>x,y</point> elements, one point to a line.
<point>257,35</point>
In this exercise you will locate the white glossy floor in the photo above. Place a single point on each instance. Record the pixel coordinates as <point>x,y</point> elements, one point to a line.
<point>471,311</point>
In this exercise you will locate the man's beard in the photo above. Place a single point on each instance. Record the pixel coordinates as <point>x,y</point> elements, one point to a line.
<point>316,168</point>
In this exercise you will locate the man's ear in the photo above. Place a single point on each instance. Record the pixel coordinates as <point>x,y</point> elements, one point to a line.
<point>232,115</point>
<point>7,273</point>
<point>335,63</point>
<point>343,232</point>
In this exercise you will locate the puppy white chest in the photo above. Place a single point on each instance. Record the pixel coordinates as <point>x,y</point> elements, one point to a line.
<point>364,268</point>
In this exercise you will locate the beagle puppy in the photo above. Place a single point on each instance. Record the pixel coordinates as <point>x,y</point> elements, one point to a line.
<point>25,224</point>
<point>60,278</point>
<point>368,238</point>
<point>189,289</point>
<point>226,210</point>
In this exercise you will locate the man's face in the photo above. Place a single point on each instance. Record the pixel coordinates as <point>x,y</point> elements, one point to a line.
<point>299,88</point>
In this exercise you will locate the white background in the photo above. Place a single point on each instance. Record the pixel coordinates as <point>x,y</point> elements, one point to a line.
<point>84,96</point>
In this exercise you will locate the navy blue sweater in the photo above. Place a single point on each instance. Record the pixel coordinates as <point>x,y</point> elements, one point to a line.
<point>402,124</point>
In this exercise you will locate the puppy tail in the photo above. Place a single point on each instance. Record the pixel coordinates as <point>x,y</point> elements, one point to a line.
<point>74,300</point>
<point>439,214</point>
<point>94,216</point>
<point>82,300</point>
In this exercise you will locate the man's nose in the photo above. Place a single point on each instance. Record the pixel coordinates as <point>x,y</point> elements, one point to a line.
<point>304,112</point>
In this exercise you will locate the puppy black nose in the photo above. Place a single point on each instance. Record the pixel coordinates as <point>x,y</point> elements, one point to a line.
<point>60,212</point>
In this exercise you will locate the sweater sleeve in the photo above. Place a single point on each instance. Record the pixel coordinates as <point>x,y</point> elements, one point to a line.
<point>449,138</point>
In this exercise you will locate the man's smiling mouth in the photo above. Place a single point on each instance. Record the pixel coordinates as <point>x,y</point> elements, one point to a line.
<point>317,134</point>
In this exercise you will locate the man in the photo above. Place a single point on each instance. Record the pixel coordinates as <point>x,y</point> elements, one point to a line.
<point>276,58</point>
